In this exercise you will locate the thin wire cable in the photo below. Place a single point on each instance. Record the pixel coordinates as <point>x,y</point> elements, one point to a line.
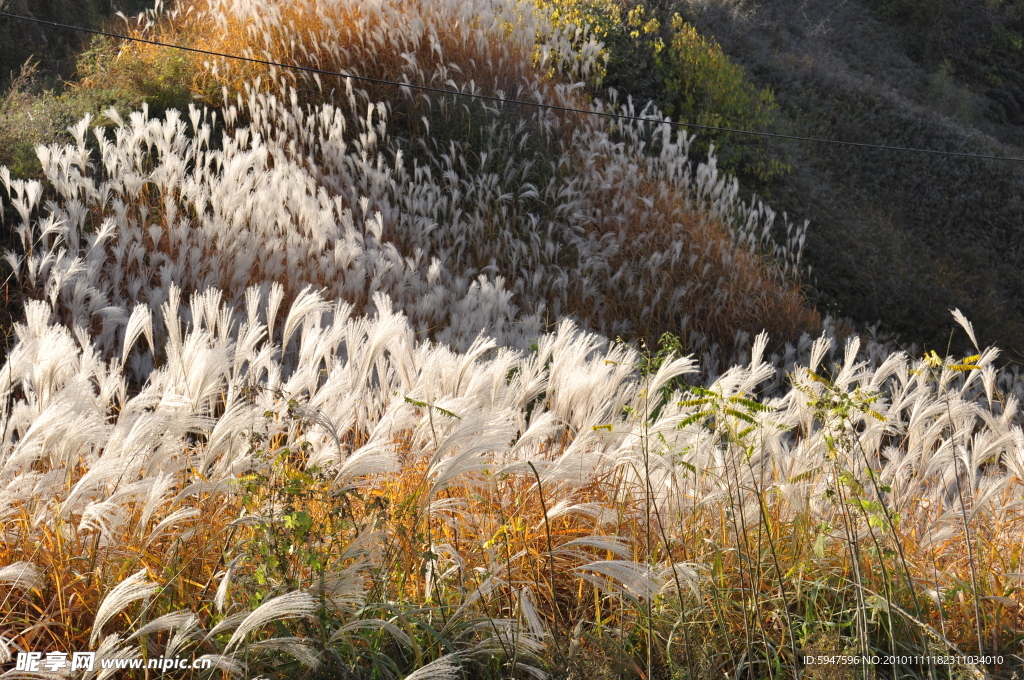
<point>502,100</point>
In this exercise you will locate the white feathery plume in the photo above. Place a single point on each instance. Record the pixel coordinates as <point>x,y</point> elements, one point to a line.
<point>757,351</point>
<point>220,601</point>
<point>532,671</point>
<point>503,639</point>
<point>308,302</point>
<point>227,623</point>
<point>543,427</point>
<point>21,575</point>
<point>298,648</point>
<point>229,665</point>
<point>669,370</point>
<point>105,517</point>
<point>471,438</point>
<point>346,589</point>
<point>367,546</point>
<point>176,517</point>
<point>596,512</point>
<point>140,322</point>
<point>636,579</point>
<point>133,588</point>
<point>156,496</point>
<point>253,299</point>
<point>109,650</point>
<point>686,574</point>
<point>376,457</point>
<point>447,667</point>
<point>528,611</point>
<point>291,605</point>
<point>966,325</point>
<point>166,622</point>
<point>188,632</point>
<point>273,302</point>
<point>818,350</point>
<point>617,545</point>
<point>488,585</point>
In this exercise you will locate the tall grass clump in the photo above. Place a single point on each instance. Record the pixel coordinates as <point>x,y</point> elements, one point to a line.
<point>393,503</point>
<point>494,191</point>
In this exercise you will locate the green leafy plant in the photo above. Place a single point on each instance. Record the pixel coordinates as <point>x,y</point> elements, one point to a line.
<point>703,86</point>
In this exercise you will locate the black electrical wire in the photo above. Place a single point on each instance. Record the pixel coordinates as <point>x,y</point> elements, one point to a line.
<point>502,100</point>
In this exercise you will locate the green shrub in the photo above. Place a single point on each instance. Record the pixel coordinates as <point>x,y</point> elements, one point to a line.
<point>21,124</point>
<point>703,86</point>
<point>651,56</point>
<point>160,80</point>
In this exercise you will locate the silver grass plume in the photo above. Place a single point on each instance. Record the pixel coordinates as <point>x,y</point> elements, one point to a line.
<point>133,588</point>
<point>220,601</point>
<point>292,605</point>
<point>21,575</point>
<point>447,667</point>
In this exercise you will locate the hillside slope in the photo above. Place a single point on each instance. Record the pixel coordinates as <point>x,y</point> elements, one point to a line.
<point>896,237</point>
<point>471,216</point>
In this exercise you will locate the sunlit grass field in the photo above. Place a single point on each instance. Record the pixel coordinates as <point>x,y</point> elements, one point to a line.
<point>312,378</point>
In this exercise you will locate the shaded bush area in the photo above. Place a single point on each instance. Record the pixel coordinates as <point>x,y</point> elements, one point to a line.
<point>903,238</point>
<point>39,105</point>
<point>53,48</point>
<point>979,44</point>
<point>895,237</point>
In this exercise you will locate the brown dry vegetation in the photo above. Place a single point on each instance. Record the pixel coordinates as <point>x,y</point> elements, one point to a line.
<point>707,299</point>
<point>433,547</point>
<point>727,288</point>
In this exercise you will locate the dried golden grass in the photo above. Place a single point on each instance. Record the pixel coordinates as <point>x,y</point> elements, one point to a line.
<point>331,36</point>
<point>497,527</point>
<point>78,570</point>
<point>730,288</point>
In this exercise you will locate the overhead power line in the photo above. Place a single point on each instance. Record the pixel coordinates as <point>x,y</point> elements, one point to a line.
<point>503,100</point>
